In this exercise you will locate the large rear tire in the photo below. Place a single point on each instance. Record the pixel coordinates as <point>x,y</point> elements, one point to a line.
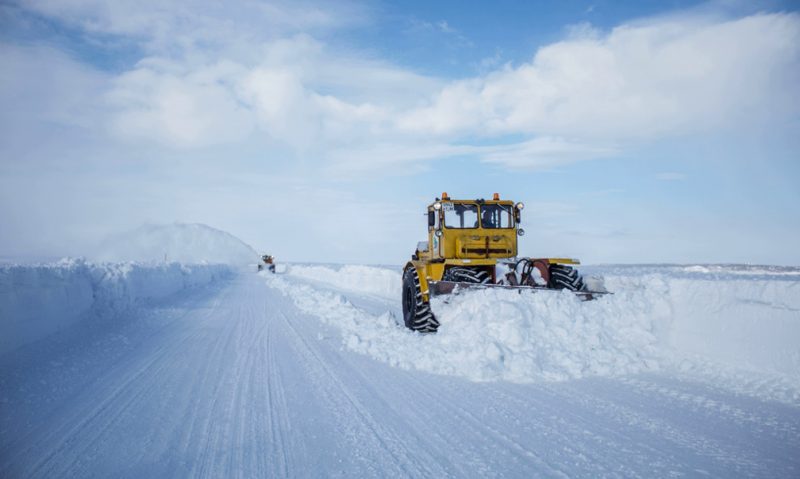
<point>565,277</point>
<point>417,313</point>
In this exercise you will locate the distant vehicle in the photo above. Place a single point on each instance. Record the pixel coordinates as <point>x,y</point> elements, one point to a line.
<point>267,261</point>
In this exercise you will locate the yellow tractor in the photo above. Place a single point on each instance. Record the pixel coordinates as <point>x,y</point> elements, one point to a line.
<point>268,262</point>
<point>473,244</point>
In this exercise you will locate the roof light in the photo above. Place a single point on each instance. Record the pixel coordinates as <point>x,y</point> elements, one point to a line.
<point>520,205</point>
<point>444,196</point>
<point>496,196</point>
<point>437,206</point>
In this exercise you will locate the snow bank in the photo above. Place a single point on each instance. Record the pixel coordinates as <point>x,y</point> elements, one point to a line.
<point>177,242</point>
<point>364,279</point>
<point>742,316</point>
<point>489,335</point>
<point>38,300</point>
<point>686,317</point>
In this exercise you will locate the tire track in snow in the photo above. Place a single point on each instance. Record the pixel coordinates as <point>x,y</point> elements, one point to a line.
<point>609,450</point>
<point>674,437</point>
<point>235,445</point>
<point>211,430</point>
<point>440,405</point>
<point>343,400</point>
<point>384,394</point>
<point>720,405</point>
<point>222,422</point>
<point>723,416</point>
<point>238,462</point>
<point>65,438</point>
<point>278,407</point>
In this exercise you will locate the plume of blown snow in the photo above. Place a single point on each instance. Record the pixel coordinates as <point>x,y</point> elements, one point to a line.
<point>189,243</point>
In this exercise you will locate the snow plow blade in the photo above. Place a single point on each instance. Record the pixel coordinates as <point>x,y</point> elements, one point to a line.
<point>442,288</point>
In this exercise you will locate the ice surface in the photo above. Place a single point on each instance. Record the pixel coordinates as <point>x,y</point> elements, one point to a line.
<point>190,243</point>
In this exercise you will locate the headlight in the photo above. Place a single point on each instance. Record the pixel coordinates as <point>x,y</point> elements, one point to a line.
<point>437,206</point>
<point>521,232</point>
<point>438,232</point>
<point>520,205</point>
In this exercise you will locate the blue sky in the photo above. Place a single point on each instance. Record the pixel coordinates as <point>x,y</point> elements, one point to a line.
<point>319,131</point>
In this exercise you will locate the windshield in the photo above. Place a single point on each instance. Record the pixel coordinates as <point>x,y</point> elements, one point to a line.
<point>460,215</point>
<point>496,216</point>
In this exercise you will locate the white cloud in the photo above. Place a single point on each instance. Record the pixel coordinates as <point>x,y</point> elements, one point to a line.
<point>41,83</point>
<point>296,92</point>
<point>212,75</point>
<point>543,153</point>
<point>186,109</point>
<point>638,82</point>
<point>399,158</point>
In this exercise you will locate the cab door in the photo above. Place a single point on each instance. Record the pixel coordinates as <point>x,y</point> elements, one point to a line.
<point>434,226</point>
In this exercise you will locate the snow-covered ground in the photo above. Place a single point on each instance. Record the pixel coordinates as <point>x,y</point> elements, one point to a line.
<point>685,371</point>
<point>727,322</point>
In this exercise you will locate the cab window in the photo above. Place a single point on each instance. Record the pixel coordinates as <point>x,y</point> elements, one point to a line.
<point>460,215</point>
<point>496,216</point>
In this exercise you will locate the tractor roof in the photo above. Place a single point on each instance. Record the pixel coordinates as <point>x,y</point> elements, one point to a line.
<point>494,201</point>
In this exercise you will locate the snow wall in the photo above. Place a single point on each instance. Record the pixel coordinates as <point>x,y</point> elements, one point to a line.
<point>745,316</point>
<point>686,317</point>
<point>39,300</point>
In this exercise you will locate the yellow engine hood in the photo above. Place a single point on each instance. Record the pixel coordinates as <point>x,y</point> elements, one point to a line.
<point>485,246</point>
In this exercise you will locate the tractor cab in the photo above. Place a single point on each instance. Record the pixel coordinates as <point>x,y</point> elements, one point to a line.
<point>473,229</point>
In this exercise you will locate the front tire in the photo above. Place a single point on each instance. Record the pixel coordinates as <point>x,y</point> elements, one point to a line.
<point>417,313</point>
<point>565,277</point>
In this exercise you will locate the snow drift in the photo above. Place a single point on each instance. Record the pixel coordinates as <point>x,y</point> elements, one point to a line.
<point>488,335</point>
<point>743,316</point>
<point>38,300</point>
<point>659,317</point>
<point>363,279</point>
<point>177,242</point>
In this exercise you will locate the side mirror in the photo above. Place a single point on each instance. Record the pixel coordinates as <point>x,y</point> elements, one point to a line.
<point>431,218</point>
<point>518,217</point>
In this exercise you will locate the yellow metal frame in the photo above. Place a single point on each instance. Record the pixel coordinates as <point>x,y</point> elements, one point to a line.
<point>466,246</point>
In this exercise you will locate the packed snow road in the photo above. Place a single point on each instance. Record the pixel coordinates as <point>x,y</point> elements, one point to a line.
<point>239,379</point>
